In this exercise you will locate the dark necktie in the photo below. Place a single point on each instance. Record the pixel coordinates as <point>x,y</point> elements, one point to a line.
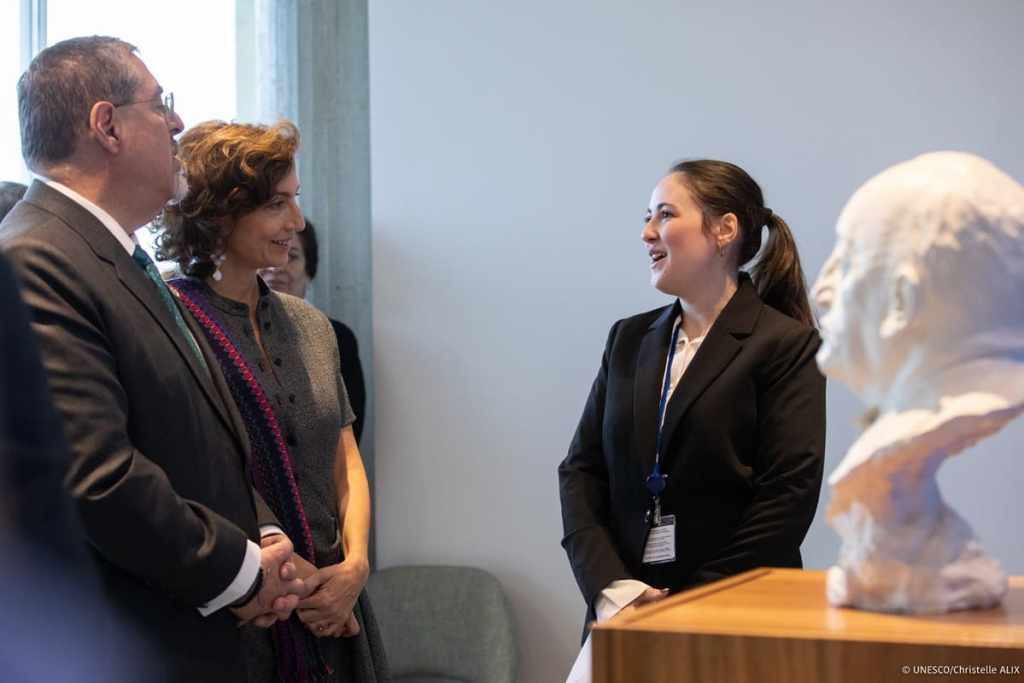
<point>146,263</point>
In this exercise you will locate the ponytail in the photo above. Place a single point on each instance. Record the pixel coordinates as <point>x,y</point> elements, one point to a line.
<point>720,187</point>
<point>778,275</point>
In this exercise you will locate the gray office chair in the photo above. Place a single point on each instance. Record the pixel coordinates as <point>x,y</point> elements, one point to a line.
<point>444,625</point>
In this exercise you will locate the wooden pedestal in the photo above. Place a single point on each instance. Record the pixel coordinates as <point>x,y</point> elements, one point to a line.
<point>774,625</point>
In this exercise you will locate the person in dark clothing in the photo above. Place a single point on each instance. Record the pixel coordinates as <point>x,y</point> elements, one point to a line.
<point>158,467</point>
<point>699,454</point>
<point>48,569</point>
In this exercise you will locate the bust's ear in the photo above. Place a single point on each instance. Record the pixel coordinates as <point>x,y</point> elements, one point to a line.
<point>903,300</point>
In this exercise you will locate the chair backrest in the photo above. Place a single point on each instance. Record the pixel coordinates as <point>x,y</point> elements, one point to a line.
<point>443,624</point>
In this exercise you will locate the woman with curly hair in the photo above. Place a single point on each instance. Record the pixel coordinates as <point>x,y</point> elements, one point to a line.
<point>281,363</point>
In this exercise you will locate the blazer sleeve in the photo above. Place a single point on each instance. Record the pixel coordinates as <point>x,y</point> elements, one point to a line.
<point>586,498</point>
<point>264,515</point>
<point>130,510</point>
<point>788,464</point>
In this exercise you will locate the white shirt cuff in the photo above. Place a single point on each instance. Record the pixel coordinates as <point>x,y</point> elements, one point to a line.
<point>617,596</point>
<point>243,581</point>
<point>270,530</point>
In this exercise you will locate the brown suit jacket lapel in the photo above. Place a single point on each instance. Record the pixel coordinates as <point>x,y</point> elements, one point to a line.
<point>135,280</point>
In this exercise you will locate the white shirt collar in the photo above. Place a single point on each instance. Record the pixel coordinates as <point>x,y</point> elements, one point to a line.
<point>683,340</point>
<point>120,234</point>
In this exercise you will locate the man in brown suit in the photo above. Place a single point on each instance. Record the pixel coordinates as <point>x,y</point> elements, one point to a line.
<point>185,549</point>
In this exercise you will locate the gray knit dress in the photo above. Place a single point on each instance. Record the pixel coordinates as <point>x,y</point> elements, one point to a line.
<point>304,384</point>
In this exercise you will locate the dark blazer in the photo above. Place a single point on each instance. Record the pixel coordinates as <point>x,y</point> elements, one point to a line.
<point>36,510</point>
<point>158,450</point>
<point>744,439</point>
<point>52,595</point>
<point>352,373</point>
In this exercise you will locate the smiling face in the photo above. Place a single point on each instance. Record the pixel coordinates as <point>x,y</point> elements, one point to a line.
<point>681,252</point>
<point>263,237</point>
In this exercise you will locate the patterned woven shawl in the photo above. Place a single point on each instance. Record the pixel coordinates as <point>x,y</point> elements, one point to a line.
<point>297,652</point>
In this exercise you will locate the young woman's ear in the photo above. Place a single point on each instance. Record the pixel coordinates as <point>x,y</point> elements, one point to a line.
<point>726,230</point>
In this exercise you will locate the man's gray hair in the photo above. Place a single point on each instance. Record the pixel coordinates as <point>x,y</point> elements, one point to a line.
<point>57,91</point>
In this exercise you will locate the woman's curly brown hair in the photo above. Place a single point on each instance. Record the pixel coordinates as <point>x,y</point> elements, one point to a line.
<point>232,169</point>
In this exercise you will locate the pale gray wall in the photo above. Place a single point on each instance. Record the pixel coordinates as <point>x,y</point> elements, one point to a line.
<point>514,147</point>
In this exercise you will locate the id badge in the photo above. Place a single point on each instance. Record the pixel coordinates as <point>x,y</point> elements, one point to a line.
<point>661,542</point>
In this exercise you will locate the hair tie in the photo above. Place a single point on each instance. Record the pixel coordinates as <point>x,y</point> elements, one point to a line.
<point>767,217</point>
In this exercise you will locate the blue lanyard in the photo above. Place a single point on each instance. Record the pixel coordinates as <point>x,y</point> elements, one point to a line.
<point>656,480</point>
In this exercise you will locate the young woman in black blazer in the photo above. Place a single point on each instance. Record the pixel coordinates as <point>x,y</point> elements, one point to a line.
<point>742,407</point>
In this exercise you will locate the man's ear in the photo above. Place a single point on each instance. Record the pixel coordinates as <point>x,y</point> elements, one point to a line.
<point>726,229</point>
<point>903,301</point>
<point>104,126</point>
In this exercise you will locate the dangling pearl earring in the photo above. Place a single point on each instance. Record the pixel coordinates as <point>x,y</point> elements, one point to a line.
<point>217,275</point>
<point>721,250</point>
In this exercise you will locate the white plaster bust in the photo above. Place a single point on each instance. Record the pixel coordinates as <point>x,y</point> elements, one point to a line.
<point>922,315</point>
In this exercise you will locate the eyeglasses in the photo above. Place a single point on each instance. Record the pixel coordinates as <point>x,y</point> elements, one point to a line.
<point>166,106</point>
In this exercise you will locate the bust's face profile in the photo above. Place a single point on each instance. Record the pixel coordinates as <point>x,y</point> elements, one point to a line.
<point>852,299</point>
<point>833,294</point>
